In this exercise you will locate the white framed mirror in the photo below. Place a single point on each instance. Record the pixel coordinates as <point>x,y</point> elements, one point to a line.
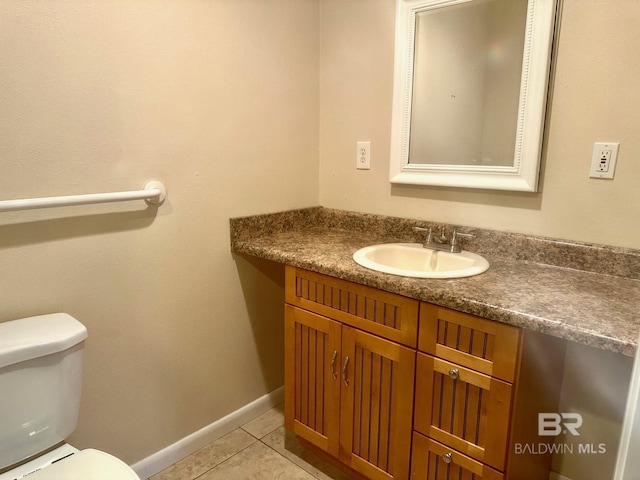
<point>470,92</point>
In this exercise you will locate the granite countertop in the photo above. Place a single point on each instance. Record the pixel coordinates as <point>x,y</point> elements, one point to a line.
<point>556,297</point>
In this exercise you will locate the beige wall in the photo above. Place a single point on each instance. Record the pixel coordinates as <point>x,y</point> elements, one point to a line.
<point>219,100</point>
<point>595,98</point>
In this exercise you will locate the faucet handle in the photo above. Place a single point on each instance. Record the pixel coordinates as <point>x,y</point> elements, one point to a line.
<point>421,229</point>
<point>454,238</point>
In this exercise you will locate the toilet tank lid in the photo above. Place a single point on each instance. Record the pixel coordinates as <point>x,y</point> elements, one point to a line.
<point>32,337</point>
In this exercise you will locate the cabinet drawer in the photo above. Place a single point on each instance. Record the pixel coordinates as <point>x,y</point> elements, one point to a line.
<point>433,461</point>
<point>463,409</point>
<point>483,345</point>
<point>382,313</point>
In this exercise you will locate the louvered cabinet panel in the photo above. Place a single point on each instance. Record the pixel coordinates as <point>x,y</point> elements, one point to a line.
<point>463,409</point>
<point>312,386</point>
<point>433,461</point>
<point>382,313</point>
<point>482,345</point>
<point>376,405</point>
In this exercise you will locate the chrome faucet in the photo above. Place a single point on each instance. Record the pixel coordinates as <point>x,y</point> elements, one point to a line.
<point>441,242</point>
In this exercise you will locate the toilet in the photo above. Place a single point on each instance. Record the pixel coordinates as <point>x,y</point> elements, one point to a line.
<point>40,385</point>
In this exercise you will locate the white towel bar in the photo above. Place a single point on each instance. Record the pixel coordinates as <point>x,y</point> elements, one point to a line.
<point>154,193</point>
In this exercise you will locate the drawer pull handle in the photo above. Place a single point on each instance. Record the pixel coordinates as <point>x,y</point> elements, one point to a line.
<point>447,457</point>
<point>333,364</point>
<point>454,374</point>
<point>344,372</point>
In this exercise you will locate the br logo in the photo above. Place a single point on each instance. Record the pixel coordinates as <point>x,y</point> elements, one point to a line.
<point>553,424</point>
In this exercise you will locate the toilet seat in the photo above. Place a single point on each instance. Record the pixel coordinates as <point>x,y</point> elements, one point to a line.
<point>87,464</point>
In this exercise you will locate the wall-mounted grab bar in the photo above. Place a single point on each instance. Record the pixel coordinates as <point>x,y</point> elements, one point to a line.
<point>154,193</point>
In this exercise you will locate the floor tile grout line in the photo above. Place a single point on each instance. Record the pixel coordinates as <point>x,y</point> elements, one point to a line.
<point>280,424</point>
<point>258,440</point>
<point>228,458</point>
<point>254,439</point>
<point>289,460</point>
<point>307,464</point>
<point>261,440</point>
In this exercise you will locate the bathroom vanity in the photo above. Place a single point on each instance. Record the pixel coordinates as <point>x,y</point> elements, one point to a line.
<point>402,378</point>
<point>367,371</point>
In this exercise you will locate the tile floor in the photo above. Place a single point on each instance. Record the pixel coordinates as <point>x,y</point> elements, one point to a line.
<point>260,450</point>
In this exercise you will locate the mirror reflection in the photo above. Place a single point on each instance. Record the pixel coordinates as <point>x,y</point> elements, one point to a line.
<point>466,83</point>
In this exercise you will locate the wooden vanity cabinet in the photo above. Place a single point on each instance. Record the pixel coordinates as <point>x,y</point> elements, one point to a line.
<point>396,389</point>
<point>458,401</point>
<point>349,392</point>
<point>480,386</point>
<point>434,461</point>
<point>464,409</point>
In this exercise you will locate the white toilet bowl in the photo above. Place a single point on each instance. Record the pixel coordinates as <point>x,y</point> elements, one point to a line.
<point>40,379</point>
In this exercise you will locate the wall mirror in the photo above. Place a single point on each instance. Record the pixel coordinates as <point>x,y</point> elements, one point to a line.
<point>470,91</point>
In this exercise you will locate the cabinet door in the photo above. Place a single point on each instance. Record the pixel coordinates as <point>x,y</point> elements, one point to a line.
<point>463,409</point>
<point>312,382</point>
<point>433,461</point>
<point>376,405</point>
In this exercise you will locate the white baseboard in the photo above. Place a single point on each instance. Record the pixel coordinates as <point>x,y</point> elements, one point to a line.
<point>189,444</point>
<point>557,476</point>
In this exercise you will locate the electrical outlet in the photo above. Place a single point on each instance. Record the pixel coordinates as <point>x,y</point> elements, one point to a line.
<point>603,161</point>
<point>363,156</point>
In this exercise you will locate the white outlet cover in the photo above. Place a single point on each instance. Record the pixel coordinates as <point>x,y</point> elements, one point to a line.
<point>598,148</point>
<point>363,156</point>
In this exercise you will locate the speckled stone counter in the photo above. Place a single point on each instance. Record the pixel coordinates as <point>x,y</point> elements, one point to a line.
<point>588,294</point>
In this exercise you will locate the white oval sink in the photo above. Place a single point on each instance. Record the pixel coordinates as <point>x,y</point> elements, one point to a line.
<point>413,260</point>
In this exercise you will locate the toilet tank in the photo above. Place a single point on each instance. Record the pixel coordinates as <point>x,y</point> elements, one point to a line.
<point>40,383</point>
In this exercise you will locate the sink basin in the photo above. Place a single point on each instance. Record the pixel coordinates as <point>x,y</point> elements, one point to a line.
<point>413,260</point>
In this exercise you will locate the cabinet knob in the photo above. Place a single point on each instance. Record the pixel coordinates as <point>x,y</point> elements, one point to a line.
<point>454,373</point>
<point>447,457</point>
